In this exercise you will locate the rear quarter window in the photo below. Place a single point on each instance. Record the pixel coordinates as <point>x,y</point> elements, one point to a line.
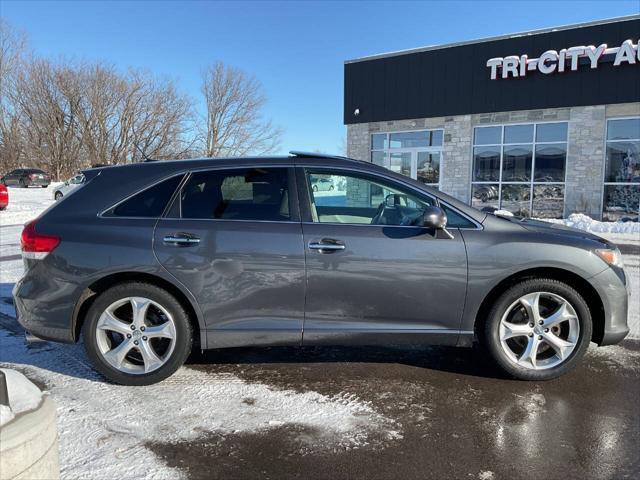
<point>149,203</point>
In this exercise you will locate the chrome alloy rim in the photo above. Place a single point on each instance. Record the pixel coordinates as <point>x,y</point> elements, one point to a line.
<point>539,330</point>
<point>136,335</point>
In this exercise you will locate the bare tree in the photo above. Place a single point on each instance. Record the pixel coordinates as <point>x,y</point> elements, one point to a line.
<point>63,116</point>
<point>234,124</point>
<point>13,47</point>
<point>48,112</point>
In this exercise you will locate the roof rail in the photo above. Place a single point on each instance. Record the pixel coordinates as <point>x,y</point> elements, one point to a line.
<point>296,153</point>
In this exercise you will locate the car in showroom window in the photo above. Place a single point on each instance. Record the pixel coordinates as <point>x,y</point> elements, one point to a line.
<point>148,261</point>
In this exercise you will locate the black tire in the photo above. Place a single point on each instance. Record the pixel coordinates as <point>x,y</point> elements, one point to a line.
<point>44,186</point>
<point>184,333</point>
<point>491,335</point>
<point>314,188</point>
<point>58,196</point>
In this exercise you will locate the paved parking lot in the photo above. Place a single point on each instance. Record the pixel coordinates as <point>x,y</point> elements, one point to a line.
<point>456,415</point>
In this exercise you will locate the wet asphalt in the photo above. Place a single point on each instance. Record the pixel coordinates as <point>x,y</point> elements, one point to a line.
<point>459,417</point>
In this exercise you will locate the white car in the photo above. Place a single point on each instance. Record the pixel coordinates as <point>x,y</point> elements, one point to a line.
<point>67,187</point>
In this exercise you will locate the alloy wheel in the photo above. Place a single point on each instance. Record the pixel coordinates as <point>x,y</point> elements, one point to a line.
<point>539,331</point>
<point>136,335</point>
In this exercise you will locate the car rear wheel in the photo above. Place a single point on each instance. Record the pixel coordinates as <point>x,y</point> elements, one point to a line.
<point>137,334</point>
<point>538,329</point>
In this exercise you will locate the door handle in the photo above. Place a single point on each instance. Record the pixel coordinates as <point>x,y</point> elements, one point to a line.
<point>327,246</point>
<point>181,239</point>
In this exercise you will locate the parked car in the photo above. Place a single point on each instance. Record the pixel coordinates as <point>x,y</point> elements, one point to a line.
<point>27,177</point>
<point>68,186</point>
<point>4,196</point>
<point>322,184</point>
<point>147,261</point>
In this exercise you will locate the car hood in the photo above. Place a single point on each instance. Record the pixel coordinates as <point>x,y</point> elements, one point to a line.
<point>557,229</point>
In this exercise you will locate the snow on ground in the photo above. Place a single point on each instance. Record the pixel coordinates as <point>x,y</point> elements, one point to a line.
<point>26,203</point>
<point>103,428</point>
<point>24,396</point>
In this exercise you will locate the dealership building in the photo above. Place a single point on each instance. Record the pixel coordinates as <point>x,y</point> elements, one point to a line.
<point>543,123</point>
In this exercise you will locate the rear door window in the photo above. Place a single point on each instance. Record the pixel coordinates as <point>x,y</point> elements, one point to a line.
<point>149,203</point>
<point>237,194</point>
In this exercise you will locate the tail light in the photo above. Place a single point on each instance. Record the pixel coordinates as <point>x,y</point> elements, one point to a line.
<point>36,245</point>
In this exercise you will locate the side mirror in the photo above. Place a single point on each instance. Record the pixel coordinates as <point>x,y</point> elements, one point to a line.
<point>434,217</point>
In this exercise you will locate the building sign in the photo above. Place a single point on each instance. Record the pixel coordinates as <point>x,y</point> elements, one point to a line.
<point>566,60</point>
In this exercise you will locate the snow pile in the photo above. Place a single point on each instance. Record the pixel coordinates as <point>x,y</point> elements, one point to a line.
<point>104,428</point>
<point>584,222</point>
<point>503,213</point>
<point>24,396</point>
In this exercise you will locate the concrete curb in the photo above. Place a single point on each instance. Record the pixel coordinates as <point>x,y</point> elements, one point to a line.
<point>29,445</point>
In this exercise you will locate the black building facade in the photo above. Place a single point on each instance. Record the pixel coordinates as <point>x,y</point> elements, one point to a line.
<point>543,123</point>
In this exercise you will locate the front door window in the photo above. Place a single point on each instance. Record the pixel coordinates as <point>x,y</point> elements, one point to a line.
<point>361,199</point>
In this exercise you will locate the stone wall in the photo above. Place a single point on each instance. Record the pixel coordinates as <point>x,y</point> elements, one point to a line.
<point>585,161</point>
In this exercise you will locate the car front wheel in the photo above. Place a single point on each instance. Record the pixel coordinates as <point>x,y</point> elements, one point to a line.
<point>137,334</point>
<point>58,196</point>
<point>538,329</point>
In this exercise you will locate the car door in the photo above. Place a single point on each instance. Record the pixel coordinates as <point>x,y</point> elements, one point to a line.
<point>233,237</point>
<point>374,275</point>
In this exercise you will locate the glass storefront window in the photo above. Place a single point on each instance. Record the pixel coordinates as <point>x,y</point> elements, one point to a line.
<point>517,199</point>
<point>548,201</point>
<point>409,140</point>
<point>488,136</point>
<point>378,141</point>
<point>623,162</point>
<point>551,132</point>
<point>400,163</point>
<point>621,197</point>
<point>550,162</point>
<point>416,154</point>
<point>517,163</point>
<point>486,163</point>
<point>378,158</point>
<point>623,129</point>
<point>428,168</point>
<point>513,166</point>
<point>518,133</point>
<point>621,202</point>
<point>485,195</point>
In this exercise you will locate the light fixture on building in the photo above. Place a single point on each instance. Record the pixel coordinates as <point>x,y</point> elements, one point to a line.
<point>356,112</point>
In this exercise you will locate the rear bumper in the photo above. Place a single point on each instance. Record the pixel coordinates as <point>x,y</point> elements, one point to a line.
<point>614,294</point>
<point>38,183</point>
<point>43,309</point>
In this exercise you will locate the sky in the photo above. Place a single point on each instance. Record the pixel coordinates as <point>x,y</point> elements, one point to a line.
<point>295,49</point>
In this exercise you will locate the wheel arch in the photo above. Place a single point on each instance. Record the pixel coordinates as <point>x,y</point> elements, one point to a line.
<point>583,287</point>
<point>90,293</point>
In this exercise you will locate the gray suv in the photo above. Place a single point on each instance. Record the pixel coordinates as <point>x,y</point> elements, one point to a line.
<point>150,260</point>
